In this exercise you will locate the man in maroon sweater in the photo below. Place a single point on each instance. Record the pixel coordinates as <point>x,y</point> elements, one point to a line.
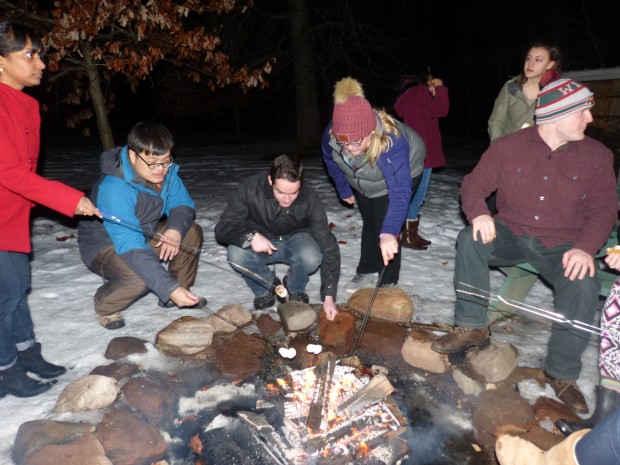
<point>557,204</point>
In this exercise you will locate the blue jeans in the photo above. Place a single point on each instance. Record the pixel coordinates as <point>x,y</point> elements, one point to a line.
<point>299,251</point>
<point>420,195</point>
<point>16,328</point>
<point>601,446</point>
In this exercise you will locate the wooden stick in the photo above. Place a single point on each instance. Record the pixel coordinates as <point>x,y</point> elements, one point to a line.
<point>377,389</point>
<point>358,339</point>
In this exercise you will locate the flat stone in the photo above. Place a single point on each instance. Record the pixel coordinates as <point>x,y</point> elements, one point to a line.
<point>185,336</point>
<point>469,386</point>
<point>229,318</point>
<point>128,440</point>
<point>498,408</point>
<point>338,335</point>
<point>417,352</point>
<point>156,401</point>
<point>392,304</point>
<point>296,316</point>
<point>493,363</point>
<point>116,370</point>
<point>239,355</point>
<point>553,410</point>
<point>83,450</point>
<point>91,392</point>
<point>383,338</point>
<point>34,435</point>
<point>121,347</point>
<point>267,325</point>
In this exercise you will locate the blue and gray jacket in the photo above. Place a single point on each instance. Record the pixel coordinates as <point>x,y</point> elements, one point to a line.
<point>391,175</point>
<point>119,192</point>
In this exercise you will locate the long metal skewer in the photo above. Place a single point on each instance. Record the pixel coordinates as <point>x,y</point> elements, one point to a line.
<point>552,316</point>
<point>358,338</point>
<point>138,228</point>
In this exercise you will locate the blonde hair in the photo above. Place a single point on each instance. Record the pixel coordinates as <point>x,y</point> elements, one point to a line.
<point>380,140</point>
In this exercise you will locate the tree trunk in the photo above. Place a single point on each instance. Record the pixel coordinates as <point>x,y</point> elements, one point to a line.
<point>306,101</point>
<point>96,96</point>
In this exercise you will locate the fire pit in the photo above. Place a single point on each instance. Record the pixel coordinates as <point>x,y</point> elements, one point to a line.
<point>330,413</point>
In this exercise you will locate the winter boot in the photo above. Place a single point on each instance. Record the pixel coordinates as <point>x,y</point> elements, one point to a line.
<point>424,241</point>
<point>16,382</point>
<point>461,339</point>
<point>297,296</point>
<point>409,237</point>
<point>607,401</point>
<point>31,360</point>
<point>512,450</point>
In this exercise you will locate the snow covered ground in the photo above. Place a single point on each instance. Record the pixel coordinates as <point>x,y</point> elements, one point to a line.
<point>62,287</point>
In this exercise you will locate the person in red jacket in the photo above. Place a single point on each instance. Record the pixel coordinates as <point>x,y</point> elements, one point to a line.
<point>20,189</point>
<point>422,100</point>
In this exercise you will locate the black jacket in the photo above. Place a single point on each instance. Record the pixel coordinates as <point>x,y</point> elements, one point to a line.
<point>254,208</point>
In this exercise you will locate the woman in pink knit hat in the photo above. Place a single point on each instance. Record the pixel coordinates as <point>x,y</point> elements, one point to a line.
<point>376,162</point>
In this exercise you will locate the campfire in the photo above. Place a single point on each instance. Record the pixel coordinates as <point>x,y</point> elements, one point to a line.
<point>334,413</point>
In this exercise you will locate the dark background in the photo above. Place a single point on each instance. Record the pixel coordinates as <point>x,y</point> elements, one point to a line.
<point>473,45</point>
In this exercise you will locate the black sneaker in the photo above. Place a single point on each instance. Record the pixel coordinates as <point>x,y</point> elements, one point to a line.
<point>299,297</point>
<point>269,299</point>
<point>265,301</point>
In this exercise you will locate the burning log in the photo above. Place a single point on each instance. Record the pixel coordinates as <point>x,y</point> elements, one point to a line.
<point>268,438</point>
<point>377,389</point>
<point>324,372</point>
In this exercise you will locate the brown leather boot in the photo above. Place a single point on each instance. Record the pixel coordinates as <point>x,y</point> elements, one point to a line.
<point>424,241</point>
<point>461,339</point>
<point>409,237</point>
<point>568,392</point>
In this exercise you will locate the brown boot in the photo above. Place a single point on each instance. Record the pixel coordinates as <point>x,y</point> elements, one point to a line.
<point>409,237</point>
<point>424,241</point>
<point>512,450</point>
<point>461,339</point>
<point>568,392</point>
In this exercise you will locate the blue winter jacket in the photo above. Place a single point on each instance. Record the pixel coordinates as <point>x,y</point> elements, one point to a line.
<point>122,194</point>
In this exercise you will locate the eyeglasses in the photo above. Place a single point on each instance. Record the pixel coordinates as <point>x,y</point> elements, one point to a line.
<point>153,166</point>
<point>350,144</point>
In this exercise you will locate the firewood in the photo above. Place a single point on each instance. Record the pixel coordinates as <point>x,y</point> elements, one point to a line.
<point>377,389</point>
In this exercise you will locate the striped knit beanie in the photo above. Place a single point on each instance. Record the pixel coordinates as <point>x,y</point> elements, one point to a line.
<point>562,98</point>
<point>353,117</point>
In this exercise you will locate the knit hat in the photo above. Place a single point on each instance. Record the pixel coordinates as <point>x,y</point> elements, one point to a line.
<point>562,98</point>
<point>353,117</point>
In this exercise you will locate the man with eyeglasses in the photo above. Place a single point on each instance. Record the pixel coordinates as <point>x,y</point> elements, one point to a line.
<point>148,221</point>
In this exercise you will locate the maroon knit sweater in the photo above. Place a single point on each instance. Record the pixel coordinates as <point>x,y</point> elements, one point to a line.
<point>558,196</point>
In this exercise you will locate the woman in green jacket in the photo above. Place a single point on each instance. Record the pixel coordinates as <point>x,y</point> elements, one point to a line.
<point>514,106</point>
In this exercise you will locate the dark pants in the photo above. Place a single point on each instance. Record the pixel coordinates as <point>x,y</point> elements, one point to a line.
<point>373,213</point>
<point>123,287</point>
<point>576,300</point>
<point>601,446</point>
<point>16,327</point>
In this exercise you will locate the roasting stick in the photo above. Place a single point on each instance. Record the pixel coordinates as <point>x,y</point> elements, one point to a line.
<point>279,290</point>
<point>358,339</point>
<point>553,316</point>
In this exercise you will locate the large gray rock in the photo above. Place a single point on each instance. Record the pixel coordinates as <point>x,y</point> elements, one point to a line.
<point>91,392</point>
<point>493,363</point>
<point>296,316</point>
<point>391,304</point>
<point>417,352</point>
<point>185,336</point>
<point>229,318</point>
